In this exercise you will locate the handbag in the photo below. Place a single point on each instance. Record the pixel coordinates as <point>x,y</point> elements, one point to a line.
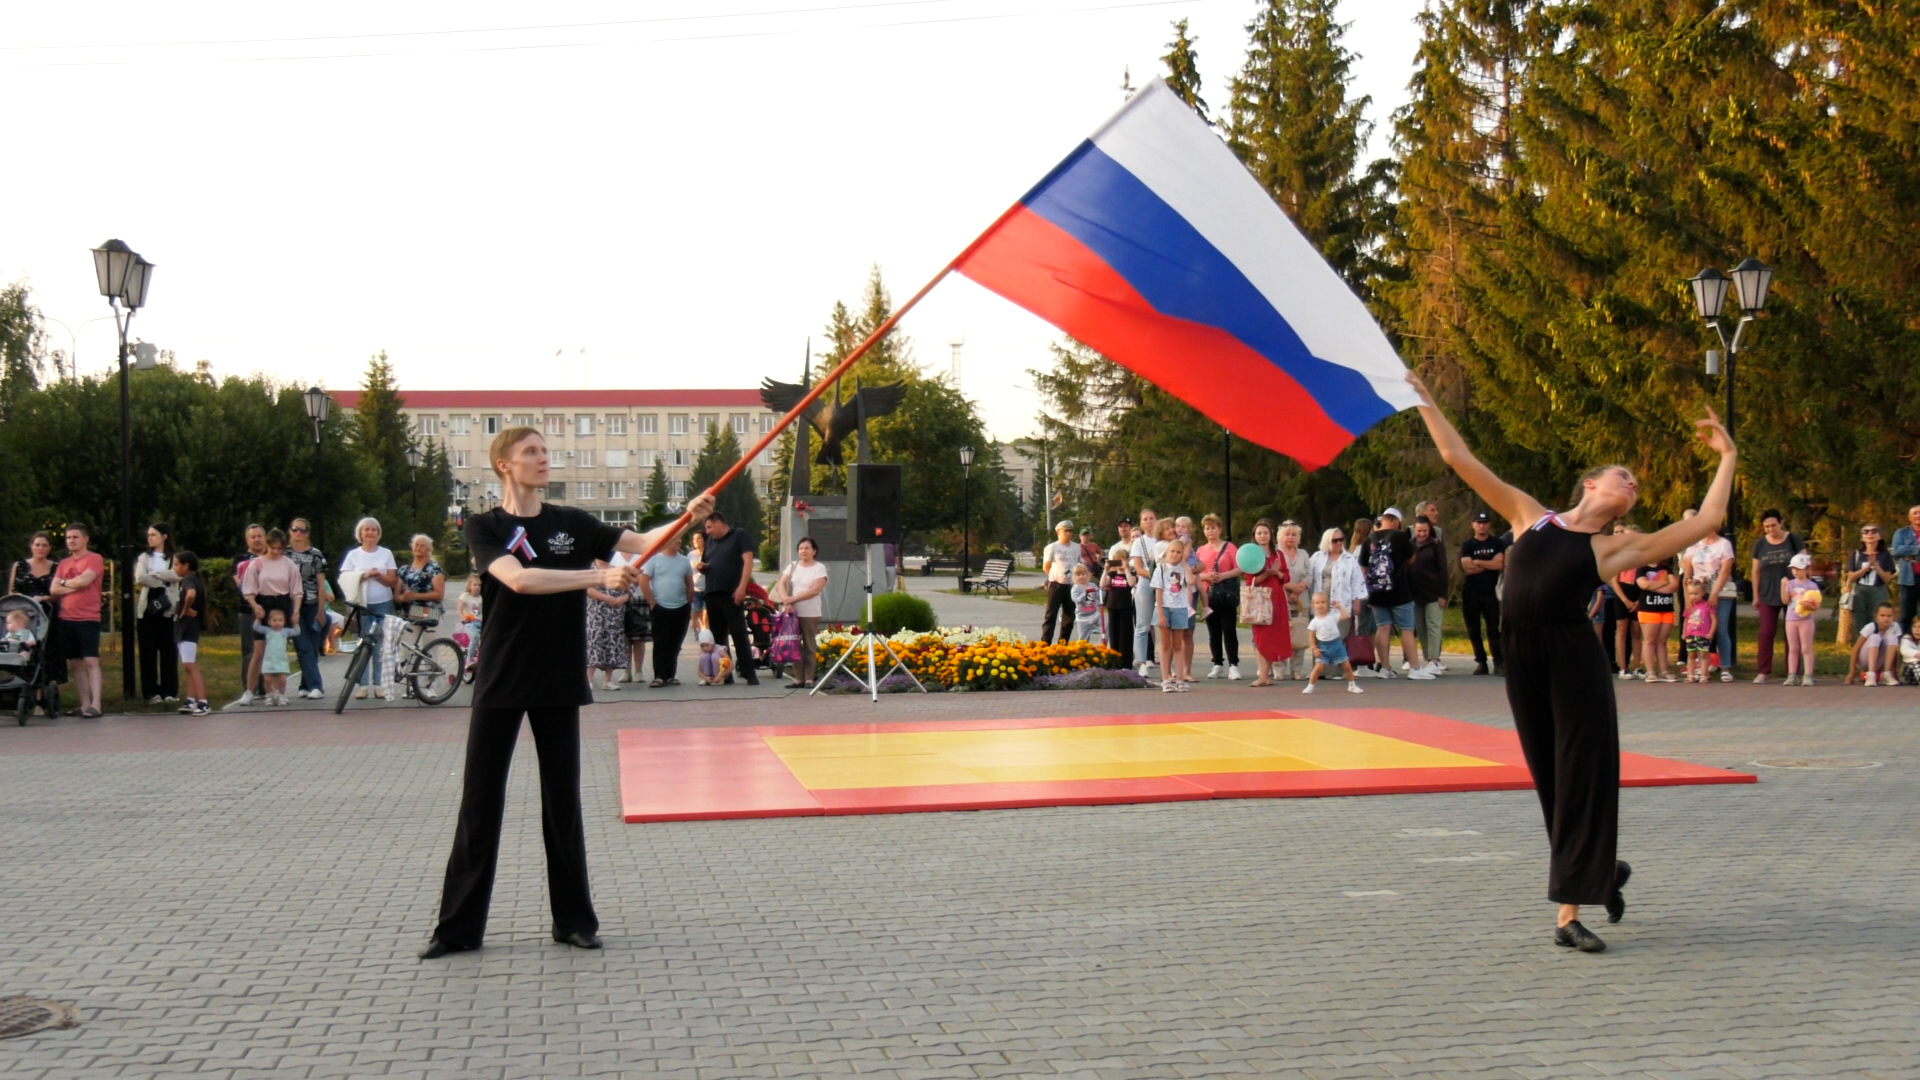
<point>1301,639</point>
<point>1222,593</point>
<point>636,620</point>
<point>785,648</point>
<point>157,602</point>
<point>1359,649</point>
<point>1256,605</point>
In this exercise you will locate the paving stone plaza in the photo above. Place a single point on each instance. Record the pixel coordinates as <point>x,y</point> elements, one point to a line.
<point>243,895</point>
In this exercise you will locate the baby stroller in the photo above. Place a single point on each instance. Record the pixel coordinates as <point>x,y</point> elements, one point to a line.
<point>759,611</point>
<point>26,678</point>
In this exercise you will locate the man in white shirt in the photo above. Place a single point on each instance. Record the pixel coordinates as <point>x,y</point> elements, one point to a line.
<point>1057,562</point>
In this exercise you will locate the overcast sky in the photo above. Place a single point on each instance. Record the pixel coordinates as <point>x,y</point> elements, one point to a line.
<point>473,186</point>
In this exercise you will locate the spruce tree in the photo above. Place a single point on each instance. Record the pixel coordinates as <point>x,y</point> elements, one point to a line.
<point>737,502</point>
<point>381,436</point>
<point>1183,70</point>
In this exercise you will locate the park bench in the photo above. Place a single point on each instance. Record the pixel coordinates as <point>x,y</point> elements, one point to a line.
<point>997,574</point>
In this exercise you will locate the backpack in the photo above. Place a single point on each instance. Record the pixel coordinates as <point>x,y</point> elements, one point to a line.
<point>1380,566</point>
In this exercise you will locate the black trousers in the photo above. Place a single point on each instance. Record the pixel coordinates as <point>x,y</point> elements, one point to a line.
<point>1059,603</point>
<point>1120,631</point>
<point>1562,698</point>
<point>246,651</point>
<point>669,635</point>
<point>491,735</point>
<point>726,620</point>
<point>1222,628</point>
<point>1909,602</point>
<point>1473,608</point>
<point>159,664</point>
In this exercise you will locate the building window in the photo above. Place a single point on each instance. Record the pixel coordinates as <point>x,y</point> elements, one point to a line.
<point>493,490</point>
<point>554,425</point>
<point>739,421</point>
<point>616,424</point>
<point>708,421</point>
<point>649,424</point>
<point>648,457</point>
<point>523,420</point>
<point>584,492</point>
<point>556,460</point>
<point>586,459</point>
<point>618,489</point>
<point>677,424</point>
<point>617,517</point>
<point>583,424</point>
<point>459,459</point>
<point>456,425</point>
<point>428,426</point>
<point>490,424</point>
<point>557,490</point>
<point>616,459</point>
<point>678,490</point>
<point>679,459</point>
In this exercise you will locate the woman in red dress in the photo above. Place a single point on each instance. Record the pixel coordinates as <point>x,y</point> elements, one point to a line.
<point>1274,642</point>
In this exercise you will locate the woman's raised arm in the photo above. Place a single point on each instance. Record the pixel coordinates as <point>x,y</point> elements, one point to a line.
<point>1519,508</point>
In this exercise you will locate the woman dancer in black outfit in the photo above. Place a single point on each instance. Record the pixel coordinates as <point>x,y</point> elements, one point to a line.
<point>1558,684</point>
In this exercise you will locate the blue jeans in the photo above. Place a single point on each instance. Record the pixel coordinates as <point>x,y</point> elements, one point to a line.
<point>310,645</point>
<point>1723,632</point>
<point>370,638</point>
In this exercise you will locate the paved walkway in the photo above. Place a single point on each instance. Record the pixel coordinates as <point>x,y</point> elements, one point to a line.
<point>242,895</point>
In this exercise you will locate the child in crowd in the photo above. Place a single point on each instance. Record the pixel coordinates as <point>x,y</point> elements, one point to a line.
<point>1697,630</point>
<point>336,629</point>
<point>709,659</point>
<point>1910,655</point>
<point>1118,599</point>
<point>1657,588</point>
<point>20,636</point>
<point>273,661</point>
<point>1086,605</point>
<point>469,611</point>
<point>1802,600</point>
<point>1173,601</point>
<point>189,618</point>
<point>1329,645</point>
<point>1878,645</point>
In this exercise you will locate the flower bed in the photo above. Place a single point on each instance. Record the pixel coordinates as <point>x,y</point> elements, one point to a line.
<point>953,658</point>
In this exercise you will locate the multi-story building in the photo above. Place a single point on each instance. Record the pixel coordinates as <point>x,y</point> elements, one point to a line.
<point>602,443</point>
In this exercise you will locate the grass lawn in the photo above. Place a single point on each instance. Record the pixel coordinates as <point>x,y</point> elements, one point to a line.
<point>1035,597</point>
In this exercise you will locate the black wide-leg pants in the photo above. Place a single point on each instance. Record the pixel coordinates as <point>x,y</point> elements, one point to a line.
<point>491,735</point>
<point>1561,693</point>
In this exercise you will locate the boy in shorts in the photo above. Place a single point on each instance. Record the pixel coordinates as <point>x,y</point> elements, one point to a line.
<point>188,620</point>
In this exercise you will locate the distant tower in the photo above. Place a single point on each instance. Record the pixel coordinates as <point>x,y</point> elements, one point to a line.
<point>956,344</point>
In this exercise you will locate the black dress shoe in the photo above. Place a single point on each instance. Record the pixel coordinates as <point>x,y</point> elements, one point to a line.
<point>579,939</point>
<point>436,949</point>
<point>1617,904</point>
<point>1575,936</point>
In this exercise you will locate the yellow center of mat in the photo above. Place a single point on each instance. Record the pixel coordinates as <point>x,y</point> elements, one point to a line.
<point>1116,752</point>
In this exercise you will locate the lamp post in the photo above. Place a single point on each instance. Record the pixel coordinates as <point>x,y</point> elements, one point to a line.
<point>966,515</point>
<point>413,480</point>
<point>319,405</point>
<point>123,277</point>
<point>1751,280</point>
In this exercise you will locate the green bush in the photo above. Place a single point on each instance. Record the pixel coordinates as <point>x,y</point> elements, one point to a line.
<point>894,612</point>
<point>223,596</point>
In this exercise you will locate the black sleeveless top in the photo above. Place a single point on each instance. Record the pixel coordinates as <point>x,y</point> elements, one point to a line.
<point>1550,577</point>
<point>27,584</point>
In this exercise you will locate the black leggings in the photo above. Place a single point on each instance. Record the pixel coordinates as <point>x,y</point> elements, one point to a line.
<point>491,735</point>
<point>1120,631</point>
<point>1221,622</point>
<point>669,634</point>
<point>158,675</point>
<point>1561,693</point>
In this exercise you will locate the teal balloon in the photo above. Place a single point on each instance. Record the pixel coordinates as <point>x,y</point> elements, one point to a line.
<point>1252,560</point>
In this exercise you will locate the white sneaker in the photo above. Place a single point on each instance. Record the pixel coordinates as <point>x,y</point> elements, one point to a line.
<point>1354,688</point>
<point>1233,672</point>
<point>1143,670</point>
<point>1307,689</point>
<point>1423,673</point>
<point>1760,680</point>
<point>1387,673</point>
<point>156,700</point>
<point>316,694</point>
<point>1791,680</point>
<point>360,694</point>
<point>1626,676</point>
<point>1806,680</point>
<point>380,692</point>
<point>1406,666</point>
<point>246,698</point>
<point>1872,677</point>
<point>1435,666</point>
<point>1216,671</point>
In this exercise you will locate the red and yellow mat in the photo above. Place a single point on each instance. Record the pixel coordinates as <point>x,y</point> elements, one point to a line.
<point>693,774</point>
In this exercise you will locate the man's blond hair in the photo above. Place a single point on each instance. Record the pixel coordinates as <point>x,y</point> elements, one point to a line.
<point>504,443</point>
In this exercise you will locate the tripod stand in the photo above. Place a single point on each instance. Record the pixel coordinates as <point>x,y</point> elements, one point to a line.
<point>873,642</point>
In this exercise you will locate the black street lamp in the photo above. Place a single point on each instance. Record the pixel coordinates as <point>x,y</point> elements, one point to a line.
<point>413,471</point>
<point>123,277</point>
<point>319,405</point>
<point>1751,280</point>
<point>966,515</point>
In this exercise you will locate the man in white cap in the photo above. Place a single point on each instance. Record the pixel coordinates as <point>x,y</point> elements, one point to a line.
<point>1389,551</point>
<point>1057,562</point>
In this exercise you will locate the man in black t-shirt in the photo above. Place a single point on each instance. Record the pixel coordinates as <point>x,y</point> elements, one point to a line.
<point>729,566</point>
<point>1389,550</point>
<point>536,561</point>
<point>1483,556</point>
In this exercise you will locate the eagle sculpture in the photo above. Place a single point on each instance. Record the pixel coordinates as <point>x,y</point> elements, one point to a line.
<point>834,418</point>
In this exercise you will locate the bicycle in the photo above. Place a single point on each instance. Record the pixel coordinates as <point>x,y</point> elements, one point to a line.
<point>431,673</point>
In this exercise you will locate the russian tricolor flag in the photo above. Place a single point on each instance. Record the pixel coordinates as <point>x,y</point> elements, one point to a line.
<point>1152,244</point>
